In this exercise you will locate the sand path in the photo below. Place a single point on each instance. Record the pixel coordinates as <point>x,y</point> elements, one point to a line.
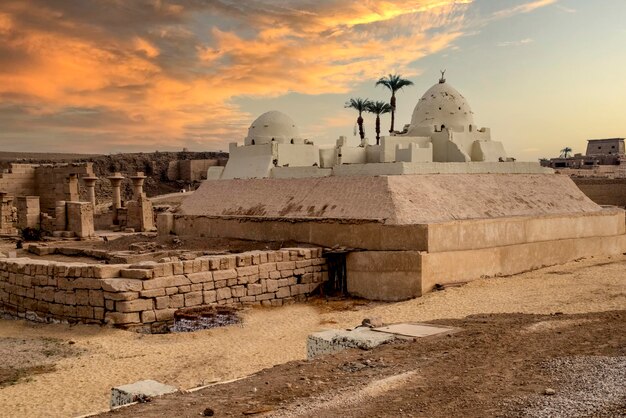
<point>273,336</point>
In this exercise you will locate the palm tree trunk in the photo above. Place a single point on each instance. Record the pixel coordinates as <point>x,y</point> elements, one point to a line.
<point>361,131</point>
<point>392,102</point>
<point>378,129</point>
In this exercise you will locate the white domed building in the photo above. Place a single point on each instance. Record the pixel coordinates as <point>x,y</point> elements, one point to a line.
<point>273,141</point>
<point>444,115</point>
<point>442,131</point>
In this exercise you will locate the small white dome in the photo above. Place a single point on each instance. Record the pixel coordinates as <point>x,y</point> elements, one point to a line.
<point>442,105</point>
<point>272,126</point>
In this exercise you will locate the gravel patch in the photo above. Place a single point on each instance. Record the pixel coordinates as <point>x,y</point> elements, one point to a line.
<point>586,386</point>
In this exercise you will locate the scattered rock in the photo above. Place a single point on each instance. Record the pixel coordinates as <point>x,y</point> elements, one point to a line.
<point>373,322</point>
<point>549,392</point>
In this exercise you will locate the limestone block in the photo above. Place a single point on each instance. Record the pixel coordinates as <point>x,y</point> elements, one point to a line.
<point>201,277</point>
<point>220,275</point>
<point>255,289</point>
<point>332,341</point>
<point>136,305</point>
<point>224,293</point>
<point>142,274</point>
<point>247,271</point>
<point>147,317</point>
<point>193,299</point>
<point>210,296</point>
<point>283,292</point>
<point>164,314</point>
<point>177,301</point>
<point>120,296</point>
<point>169,281</point>
<point>80,219</point>
<point>152,293</point>
<point>119,318</point>
<point>121,285</point>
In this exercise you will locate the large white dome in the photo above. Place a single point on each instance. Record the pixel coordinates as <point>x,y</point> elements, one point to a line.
<point>272,126</point>
<point>442,106</point>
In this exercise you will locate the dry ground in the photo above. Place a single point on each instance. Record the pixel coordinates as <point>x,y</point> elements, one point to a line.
<point>106,357</point>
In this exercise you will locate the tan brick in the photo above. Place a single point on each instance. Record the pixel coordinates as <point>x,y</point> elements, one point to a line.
<point>266,268</point>
<point>254,289</point>
<point>141,274</point>
<point>197,287</point>
<point>238,291</point>
<point>177,301</point>
<point>164,314</point>
<point>201,277</point>
<point>98,313</point>
<point>210,296</point>
<point>82,297</point>
<point>120,296</point>
<point>224,293</point>
<point>121,285</point>
<point>283,292</point>
<point>96,298</point>
<point>275,275</point>
<point>152,293</point>
<point>162,302</point>
<point>184,289</point>
<point>265,296</point>
<point>84,312</point>
<point>148,317</point>
<point>118,318</point>
<point>272,285</point>
<point>169,281</point>
<point>188,266</point>
<point>247,271</point>
<point>177,267</point>
<point>224,274</point>
<point>286,265</point>
<point>193,299</point>
<point>136,305</point>
<point>109,305</point>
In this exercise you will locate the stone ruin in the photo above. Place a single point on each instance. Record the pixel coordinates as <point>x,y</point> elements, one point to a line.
<point>47,197</point>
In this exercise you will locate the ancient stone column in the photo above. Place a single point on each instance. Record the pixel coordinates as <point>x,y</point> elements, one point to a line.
<point>90,184</point>
<point>116,180</point>
<point>138,180</point>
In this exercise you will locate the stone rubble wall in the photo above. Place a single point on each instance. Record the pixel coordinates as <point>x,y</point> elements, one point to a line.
<point>147,295</point>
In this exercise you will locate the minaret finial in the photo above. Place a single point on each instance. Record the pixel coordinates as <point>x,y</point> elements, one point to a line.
<point>443,76</point>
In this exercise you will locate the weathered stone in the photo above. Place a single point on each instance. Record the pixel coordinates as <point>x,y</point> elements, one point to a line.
<point>223,293</point>
<point>169,281</point>
<point>119,318</point>
<point>201,277</point>
<point>141,274</point>
<point>136,305</point>
<point>193,299</point>
<point>121,285</point>
<point>254,289</point>
<point>120,296</point>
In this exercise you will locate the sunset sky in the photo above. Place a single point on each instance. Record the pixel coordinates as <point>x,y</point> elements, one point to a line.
<point>107,76</point>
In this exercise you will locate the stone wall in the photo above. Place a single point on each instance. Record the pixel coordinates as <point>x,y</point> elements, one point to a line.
<point>147,295</point>
<point>603,191</point>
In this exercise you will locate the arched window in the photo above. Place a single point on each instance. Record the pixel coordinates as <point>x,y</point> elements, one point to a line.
<point>253,142</point>
<point>292,141</point>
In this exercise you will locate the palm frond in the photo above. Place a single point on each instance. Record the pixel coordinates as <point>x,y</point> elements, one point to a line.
<point>379,107</point>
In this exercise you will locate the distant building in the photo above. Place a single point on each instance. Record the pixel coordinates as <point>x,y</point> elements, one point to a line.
<point>609,151</point>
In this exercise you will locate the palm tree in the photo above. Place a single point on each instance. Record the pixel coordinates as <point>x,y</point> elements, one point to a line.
<point>378,108</point>
<point>360,105</point>
<point>393,82</point>
<point>566,152</point>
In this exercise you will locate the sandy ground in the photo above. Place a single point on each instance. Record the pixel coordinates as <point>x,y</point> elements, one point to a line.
<point>108,357</point>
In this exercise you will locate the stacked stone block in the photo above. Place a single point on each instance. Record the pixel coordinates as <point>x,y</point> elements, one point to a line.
<point>28,212</point>
<point>147,295</point>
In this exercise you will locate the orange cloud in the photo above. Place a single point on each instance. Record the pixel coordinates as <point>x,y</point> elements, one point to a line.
<point>164,73</point>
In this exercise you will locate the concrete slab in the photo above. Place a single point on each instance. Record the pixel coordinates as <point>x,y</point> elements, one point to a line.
<point>332,341</point>
<point>134,392</point>
<point>415,330</point>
